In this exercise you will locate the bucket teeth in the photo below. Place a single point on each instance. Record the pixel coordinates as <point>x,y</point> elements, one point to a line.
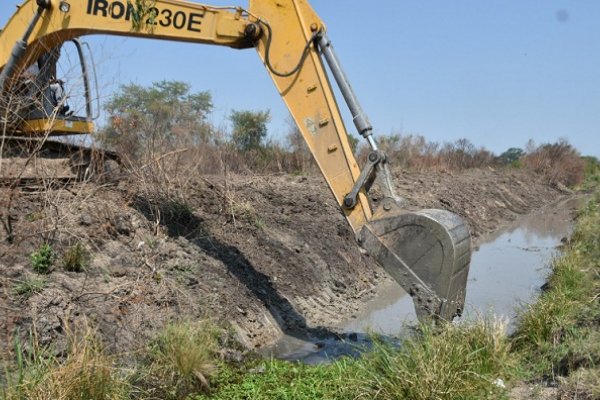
<point>427,252</point>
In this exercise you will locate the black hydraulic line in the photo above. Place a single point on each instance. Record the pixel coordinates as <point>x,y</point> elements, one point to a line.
<point>297,68</point>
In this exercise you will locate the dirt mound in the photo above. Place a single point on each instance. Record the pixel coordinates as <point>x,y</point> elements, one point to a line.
<point>266,254</point>
<point>486,198</point>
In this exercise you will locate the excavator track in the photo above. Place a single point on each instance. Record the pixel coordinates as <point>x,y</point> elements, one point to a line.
<point>32,162</point>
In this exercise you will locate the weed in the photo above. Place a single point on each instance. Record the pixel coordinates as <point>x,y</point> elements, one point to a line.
<point>30,286</point>
<point>151,242</point>
<point>158,277</point>
<point>182,359</point>
<point>35,216</point>
<point>76,258</point>
<point>43,258</point>
<point>259,223</point>
<point>277,379</point>
<point>185,268</point>
<point>243,209</point>
<point>85,373</point>
<point>143,14</point>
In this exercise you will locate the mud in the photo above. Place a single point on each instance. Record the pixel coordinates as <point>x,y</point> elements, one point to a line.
<point>269,255</point>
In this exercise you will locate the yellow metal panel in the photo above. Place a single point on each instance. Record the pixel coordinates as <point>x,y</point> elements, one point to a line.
<point>174,20</point>
<point>56,126</point>
<point>309,97</point>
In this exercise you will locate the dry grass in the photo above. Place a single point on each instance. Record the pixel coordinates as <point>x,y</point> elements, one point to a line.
<point>76,258</point>
<point>583,384</point>
<point>85,373</point>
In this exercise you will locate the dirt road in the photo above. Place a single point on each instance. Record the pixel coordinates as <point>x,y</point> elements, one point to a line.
<point>266,254</point>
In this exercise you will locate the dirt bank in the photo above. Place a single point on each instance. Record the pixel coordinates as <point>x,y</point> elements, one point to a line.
<point>267,254</point>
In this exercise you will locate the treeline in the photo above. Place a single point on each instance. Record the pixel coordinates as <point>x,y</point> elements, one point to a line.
<point>166,126</point>
<point>556,162</point>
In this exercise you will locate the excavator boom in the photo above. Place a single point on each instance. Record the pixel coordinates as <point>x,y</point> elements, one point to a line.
<point>427,251</point>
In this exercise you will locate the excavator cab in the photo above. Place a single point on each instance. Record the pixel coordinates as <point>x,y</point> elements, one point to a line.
<point>47,112</point>
<point>53,115</point>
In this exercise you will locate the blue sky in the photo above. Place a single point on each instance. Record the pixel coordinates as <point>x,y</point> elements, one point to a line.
<point>496,72</point>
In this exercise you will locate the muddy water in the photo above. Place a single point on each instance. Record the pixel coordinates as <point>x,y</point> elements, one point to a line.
<point>508,268</point>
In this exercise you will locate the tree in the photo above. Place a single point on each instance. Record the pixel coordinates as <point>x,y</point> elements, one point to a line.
<point>249,129</point>
<point>157,118</point>
<point>511,155</point>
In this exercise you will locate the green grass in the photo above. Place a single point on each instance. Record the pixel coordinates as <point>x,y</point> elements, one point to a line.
<point>559,335</point>
<point>451,362</point>
<point>455,361</point>
<point>29,286</point>
<point>283,380</point>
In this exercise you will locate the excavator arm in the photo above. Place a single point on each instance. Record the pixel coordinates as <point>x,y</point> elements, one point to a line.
<point>426,251</point>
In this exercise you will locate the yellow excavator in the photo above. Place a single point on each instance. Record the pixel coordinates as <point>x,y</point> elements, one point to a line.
<point>426,251</point>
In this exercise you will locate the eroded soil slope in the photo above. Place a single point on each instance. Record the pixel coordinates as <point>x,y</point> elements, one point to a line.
<point>267,254</point>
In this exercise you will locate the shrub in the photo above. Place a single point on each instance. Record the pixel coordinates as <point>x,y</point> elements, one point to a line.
<point>511,156</point>
<point>43,259</point>
<point>415,152</point>
<point>557,163</point>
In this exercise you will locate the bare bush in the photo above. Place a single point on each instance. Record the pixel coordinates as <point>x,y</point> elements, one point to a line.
<point>415,152</point>
<point>557,162</point>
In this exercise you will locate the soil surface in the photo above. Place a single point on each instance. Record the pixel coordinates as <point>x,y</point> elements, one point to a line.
<point>265,254</point>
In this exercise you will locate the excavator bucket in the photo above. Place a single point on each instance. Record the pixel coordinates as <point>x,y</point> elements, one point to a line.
<point>427,252</point>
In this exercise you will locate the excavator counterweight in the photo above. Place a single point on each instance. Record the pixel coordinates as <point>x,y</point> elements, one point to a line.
<point>426,251</point>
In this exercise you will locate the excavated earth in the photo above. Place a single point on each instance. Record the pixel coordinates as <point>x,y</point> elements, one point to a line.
<point>265,255</point>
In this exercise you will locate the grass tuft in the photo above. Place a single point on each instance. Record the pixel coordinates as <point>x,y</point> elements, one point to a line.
<point>76,258</point>
<point>30,286</point>
<point>182,359</point>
